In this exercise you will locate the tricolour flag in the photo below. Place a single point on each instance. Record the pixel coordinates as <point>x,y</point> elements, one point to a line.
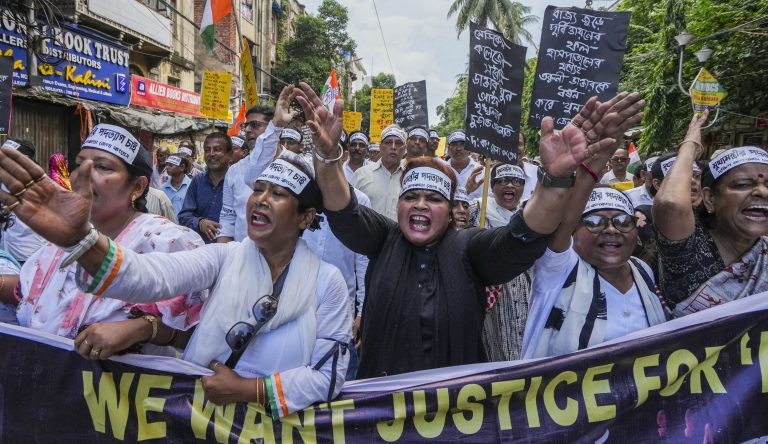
<point>214,11</point>
<point>634,158</point>
<point>330,92</point>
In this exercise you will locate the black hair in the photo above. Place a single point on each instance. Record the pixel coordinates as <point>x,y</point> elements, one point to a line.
<point>26,147</point>
<point>266,110</point>
<point>134,174</point>
<point>656,172</point>
<point>220,135</point>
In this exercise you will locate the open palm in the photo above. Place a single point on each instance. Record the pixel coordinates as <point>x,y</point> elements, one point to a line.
<point>561,151</point>
<point>325,125</point>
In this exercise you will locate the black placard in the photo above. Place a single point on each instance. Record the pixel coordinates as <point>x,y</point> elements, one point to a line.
<point>494,94</point>
<point>410,103</point>
<point>6,84</point>
<point>580,56</point>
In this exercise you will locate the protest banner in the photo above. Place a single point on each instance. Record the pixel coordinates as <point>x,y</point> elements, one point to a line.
<point>706,92</point>
<point>152,94</point>
<point>249,78</point>
<point>410,101</point>
<point>581,54</point>
<point>6,88</point>
<point>351,121</point>
<point>382,104</point>
<point>494,94</point>
<point>214,100</point>
<point>701,378</point>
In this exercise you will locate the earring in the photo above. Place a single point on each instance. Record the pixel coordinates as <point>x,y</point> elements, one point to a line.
<point>133,201</point>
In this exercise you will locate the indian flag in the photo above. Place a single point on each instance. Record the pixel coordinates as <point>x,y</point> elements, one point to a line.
<point>330,93</point>
<point>214,11</point>
<point>634,158</point>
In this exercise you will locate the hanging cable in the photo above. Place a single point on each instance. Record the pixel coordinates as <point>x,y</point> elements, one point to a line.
<point>391,69</point>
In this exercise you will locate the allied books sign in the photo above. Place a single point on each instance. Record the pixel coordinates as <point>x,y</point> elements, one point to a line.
<point>494,93</point>
<point>701,378</point>
<point>581,54</point>
<point>152,94</point>
<point>411,105</point>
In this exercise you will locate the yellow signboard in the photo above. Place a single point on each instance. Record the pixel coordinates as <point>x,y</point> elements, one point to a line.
<point>706,92</point>
<point>249,78</point>
<point>382,111</point>
<point>214,97</point>
<point>440,151</point>
<point>351,121</point>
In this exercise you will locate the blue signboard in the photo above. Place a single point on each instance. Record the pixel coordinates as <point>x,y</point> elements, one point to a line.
<point>13,43</point>
<point>82,64</point>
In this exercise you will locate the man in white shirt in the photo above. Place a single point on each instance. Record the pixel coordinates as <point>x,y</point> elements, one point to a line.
<point>434,142</point>
<point>374,152</point>
<point>461,163</point>
<point>618,173</point>
<point>643,194</point>
<point>380,181</point>
<point>416,145</point>
<point>358,151</point>
<point>159,175</point>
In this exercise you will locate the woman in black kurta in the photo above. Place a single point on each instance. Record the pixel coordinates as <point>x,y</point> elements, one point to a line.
<point>425,288</point>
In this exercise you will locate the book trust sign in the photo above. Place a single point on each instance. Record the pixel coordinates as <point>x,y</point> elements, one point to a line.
<point>91,67</point>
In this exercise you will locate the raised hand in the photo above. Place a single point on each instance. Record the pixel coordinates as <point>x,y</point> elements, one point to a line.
<point>284,114</point>
<point>58,215</point>
<point>694,132</point>
<point>472,183</point>
<point>562,151</point>
<point>326,126</point>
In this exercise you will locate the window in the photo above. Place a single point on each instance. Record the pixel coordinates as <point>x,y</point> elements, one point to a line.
<point>246,9</point>
<point>173,81</point>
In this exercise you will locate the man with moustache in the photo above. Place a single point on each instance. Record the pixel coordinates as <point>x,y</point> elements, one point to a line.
<point>380,181</point>
<point>358,151</point>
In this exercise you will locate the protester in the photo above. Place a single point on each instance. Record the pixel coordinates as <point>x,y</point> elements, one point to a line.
<point>618,163</point>
<point>507,307</point>
<point>380,181</point>
<point>158,203</point>
<point>723,255</point>
<point>460,208</point>
<point>358,151</point>
<point>177,186</point>
<point>159,175</point>
<point>643,194</point>
<point>113,171</point>
<point>295,358</point>
<point>58,171</point>
<point>17,238</point>
<point>261,130</point>
<point>434,143</point>
<point>416,145</point>
<point>202,204</point>
<point>425,286</point>
<point>462,165</point>
<point>239,149</point>
<point>374,152</point>
<point>291,140</point>
<point>189,149</point>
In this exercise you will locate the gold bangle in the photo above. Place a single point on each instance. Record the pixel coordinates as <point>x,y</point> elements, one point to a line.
<point>258,395</point>
<point>174,334</point>
<point>153,321</point>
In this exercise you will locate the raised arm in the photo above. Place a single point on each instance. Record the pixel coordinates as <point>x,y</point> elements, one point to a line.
<point>266,144</point>
<point>672,209</point>
<point>605,124</point>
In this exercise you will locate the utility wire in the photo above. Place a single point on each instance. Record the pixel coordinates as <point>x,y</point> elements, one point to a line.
<point>391,69</point>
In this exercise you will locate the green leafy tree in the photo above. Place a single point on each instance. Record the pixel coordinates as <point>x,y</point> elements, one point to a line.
<point>315,48</point>
<point>508,17</point>
<point>453,111</point>
<point>361,100</point>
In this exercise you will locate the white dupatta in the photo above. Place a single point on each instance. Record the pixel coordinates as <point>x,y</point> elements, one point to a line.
<point>243,280</point>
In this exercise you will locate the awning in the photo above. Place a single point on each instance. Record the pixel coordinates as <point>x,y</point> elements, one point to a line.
<point>156,121</point>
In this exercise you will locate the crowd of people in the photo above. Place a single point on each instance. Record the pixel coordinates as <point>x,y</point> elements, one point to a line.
<point>289,271</point>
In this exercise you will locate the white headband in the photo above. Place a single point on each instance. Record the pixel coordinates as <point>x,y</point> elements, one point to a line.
<point>457,136</point>
<point>416,132</point>
<point>509,171</point>
<point>608,199</point>
<point>286,175</point>
<point>174,160</point>
<point>11,144</point>
<point>667,165</point>
<point>425,178</point>
<point>374,147</point>
<point>649,163</point>
<point>290,133</point>
<point>433,134</point>
<point>114,140</point>
<point>393,131</point>
<point>358,136</point>
<point>184,150</point>
<point>238,141</point>
<point>461,195</point>
<point>730,159</point>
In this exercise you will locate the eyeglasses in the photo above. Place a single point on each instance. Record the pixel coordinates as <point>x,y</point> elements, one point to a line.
<point>240,335</point>
<point>253,124</point>
<point>595,224</point>
<point>514,181</point>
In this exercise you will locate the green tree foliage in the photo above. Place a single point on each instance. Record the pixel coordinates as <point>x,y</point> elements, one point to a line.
<point>739,61</point>
<point>315,47</point>
<point>361,100</point>
<point>453,111</point>
<point>508,17</point>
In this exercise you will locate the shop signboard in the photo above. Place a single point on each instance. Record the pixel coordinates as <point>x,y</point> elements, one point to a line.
<point>152,94</point>
<point>13,44</point>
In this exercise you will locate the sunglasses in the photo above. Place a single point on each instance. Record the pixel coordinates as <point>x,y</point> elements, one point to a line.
<point>509,180</point>
<point>253,124</point>
<point>240,335</point>
<point>595,224</point>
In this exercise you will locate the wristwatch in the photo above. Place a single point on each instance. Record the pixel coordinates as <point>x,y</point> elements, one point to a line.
<point>555,182</point>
